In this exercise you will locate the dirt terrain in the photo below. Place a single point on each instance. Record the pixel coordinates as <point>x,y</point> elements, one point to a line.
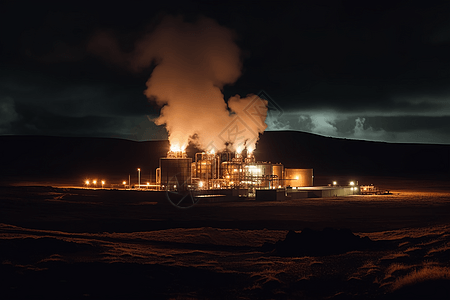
<point>68,243</point>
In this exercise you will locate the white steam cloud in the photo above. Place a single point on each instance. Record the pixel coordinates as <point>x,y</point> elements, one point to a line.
<point>194,61</point>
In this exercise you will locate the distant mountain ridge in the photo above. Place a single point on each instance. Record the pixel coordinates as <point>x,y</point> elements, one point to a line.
<point>345,157</point>
<point>76,156</point>
<point>79,156</point>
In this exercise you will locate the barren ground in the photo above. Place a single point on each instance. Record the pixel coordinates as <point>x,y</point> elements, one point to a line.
<point>68,243</point>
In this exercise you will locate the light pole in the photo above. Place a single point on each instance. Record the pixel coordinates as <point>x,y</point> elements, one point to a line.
<point>139,177</point>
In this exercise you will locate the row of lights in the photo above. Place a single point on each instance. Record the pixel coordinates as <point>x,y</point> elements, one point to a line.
<point>87,182</point>
<point>94,182</point>
<point>352,183</point>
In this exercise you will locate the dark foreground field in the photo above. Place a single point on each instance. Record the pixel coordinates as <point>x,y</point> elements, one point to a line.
<point>59,243</point>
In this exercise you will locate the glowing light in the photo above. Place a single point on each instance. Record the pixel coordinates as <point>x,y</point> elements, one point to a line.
<point>296,178</point>
<point>212,151</point>
<point>139,177</point>
<point>124,182</point>
<point>231,182</point>
<point>103,182</point>
<point>352,183</point>
<point>177,148</point>
<point>334,183</point>
<point>250,151</point>
<point>148,183</point>
<point>94,182</point>
<point>87,182</point>
<point>239,150</point>
<point>200,184</point>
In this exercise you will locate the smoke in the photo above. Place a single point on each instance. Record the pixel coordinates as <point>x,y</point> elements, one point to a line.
<point>194,61</point>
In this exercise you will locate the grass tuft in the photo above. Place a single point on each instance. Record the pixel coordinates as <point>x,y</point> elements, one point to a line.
<point>427,273</point>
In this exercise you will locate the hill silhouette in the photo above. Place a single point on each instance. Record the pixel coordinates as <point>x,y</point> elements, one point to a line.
<point>70,157</point>
<point>344,157</point>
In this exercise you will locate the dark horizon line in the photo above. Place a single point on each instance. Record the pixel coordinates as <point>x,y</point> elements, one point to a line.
<point>274,131</point>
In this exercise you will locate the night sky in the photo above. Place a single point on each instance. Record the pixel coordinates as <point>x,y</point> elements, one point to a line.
<point>351,69</point>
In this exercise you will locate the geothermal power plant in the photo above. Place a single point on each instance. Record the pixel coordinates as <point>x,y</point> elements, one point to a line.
<point>238,174</point>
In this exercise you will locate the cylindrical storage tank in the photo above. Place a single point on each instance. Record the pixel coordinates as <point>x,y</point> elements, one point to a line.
<point>260,174</point>
<point>298,177</point>
<point>278,174</point>
<point>231,172</point>
<point>266,169</point>
<point>158,176</point>
<point>204,169</point>
<point>266,175</point>
<point>175,173</point>
<point>193,170</point>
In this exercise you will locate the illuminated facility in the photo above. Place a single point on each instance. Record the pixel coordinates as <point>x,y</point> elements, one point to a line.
<point>227,170</point>
<point>233,174</point>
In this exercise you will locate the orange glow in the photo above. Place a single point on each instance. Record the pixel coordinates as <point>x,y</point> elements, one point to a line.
<point>103,182</point>
<point>87,182</point>
<point>195,61</point>
<point>299,177</point>
<point>177,148</point>
<point>94,182</point>
<point>124,182</point>
<point>239,149</point>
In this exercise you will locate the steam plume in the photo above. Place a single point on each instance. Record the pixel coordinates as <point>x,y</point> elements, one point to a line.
<point>193,63</point>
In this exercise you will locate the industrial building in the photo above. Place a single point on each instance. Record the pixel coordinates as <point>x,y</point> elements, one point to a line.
<point>214,173</point>
<point>227,170</point>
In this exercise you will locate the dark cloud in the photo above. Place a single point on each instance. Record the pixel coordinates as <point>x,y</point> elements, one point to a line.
<point>76,97</point>
<point>438,125</point>
<point>8,114</point>
<point>341,68</point>
<point>34,120</point>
